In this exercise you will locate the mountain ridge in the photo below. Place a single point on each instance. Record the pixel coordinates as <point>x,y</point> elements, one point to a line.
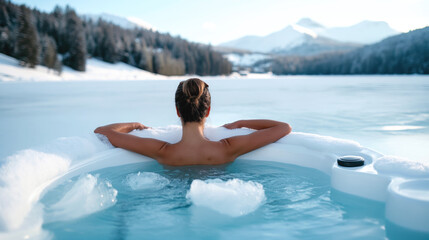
<point>294,35</point>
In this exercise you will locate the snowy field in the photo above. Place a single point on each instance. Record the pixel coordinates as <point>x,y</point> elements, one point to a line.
<point>95,70</point>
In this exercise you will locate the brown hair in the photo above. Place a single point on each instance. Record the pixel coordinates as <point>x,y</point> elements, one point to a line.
<point>193,100</point>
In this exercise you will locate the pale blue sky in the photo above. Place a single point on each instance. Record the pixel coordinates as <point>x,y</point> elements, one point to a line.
<point>223,20</point>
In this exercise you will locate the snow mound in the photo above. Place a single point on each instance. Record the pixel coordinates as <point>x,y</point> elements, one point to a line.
<point>20,175</point>
<point>23,174</point>
<point>400,167</point>
<point>146,180</point>
<point>233,198</point>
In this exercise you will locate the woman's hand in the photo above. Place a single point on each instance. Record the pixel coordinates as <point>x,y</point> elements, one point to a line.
<point>232,125</point>
<point>120,127</point>
<point>267,131</point>
<point>118,136</point>
<point>138,126</point>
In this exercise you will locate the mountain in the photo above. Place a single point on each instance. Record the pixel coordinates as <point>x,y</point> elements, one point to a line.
<point>316,45</point>
<point>406,53</point>
<point>365,32</point>
<point>308,37</point>
<point>124,22</point>
<point>288,37</point>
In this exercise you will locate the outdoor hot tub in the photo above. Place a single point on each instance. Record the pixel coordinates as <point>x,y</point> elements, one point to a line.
<point>294,188</point>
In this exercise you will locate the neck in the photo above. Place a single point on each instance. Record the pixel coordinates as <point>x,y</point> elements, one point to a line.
<point>193,132</point>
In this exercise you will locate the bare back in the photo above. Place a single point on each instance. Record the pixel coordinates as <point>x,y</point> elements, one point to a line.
<point>194,148</point>
<point>203,153</point>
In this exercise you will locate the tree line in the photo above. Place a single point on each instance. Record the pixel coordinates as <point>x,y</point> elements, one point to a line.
<point>406,53</point>
<point>62,37</point>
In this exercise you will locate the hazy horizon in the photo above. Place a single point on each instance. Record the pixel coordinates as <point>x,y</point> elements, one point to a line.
<point>222,21</point>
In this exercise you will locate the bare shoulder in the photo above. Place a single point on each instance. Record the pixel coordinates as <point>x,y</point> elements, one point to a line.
<point>239,145</point>
<point>210,153</point>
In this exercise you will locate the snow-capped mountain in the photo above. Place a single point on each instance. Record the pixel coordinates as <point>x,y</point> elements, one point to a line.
<point>365,32</point>
<point>288,37</point>
<point>307,32</point>
<point>125,22</point>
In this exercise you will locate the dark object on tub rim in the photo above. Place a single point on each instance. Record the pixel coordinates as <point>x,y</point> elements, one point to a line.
<point>351,161</point>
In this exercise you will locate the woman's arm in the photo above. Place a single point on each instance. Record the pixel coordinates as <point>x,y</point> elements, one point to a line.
<point>268,131</point>
<point>118,136</point>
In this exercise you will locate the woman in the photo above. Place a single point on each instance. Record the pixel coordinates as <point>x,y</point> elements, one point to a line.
<point>193,107</point>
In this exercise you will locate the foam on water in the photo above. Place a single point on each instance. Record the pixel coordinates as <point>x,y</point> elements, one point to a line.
<point>88,195</point>
<point>233,197</point>
<point>146,180</point>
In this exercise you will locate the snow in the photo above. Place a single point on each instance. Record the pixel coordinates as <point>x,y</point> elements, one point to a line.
<point>246,59</point>
<point>286,38</point>
<point>365,32</point>
<point>310,24</point>
<point>96,69</point>
<point>396,166</point>
<point>304,30</point>
<point>125,22</point>
<point>22,173</point>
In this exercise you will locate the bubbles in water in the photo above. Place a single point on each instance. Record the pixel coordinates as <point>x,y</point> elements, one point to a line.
<point>145,180</point>
<point>234,197</point>
<point>88,195</point>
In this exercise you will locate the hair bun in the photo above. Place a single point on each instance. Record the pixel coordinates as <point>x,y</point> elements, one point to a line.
<point>193,89</point>
<point>192,100</point>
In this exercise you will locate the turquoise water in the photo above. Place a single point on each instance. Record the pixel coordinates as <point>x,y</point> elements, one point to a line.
<point>299,205</point>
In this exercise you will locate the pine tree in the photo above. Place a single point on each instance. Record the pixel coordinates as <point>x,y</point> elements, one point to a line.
<point>49,53</point>
<point>27,45</point>
<point>75,57</point>
<point>108,48</point>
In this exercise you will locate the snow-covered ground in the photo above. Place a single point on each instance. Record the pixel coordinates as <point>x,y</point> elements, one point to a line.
<point>245,59</point>
<point>96,69</point>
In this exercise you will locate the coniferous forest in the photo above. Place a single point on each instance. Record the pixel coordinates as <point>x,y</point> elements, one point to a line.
<point>63,38</point>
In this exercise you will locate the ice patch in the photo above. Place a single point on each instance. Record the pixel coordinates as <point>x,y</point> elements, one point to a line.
<point>395,166</point>
<point>401,127</point>
<point>234,197</point>
<point>146,180</point>
<point>88,195</point>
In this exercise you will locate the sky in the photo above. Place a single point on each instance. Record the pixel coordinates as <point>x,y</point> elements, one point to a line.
<point>220,21</point>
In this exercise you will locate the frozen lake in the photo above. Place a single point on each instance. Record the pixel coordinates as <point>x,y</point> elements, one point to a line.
<point>389,114</point>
